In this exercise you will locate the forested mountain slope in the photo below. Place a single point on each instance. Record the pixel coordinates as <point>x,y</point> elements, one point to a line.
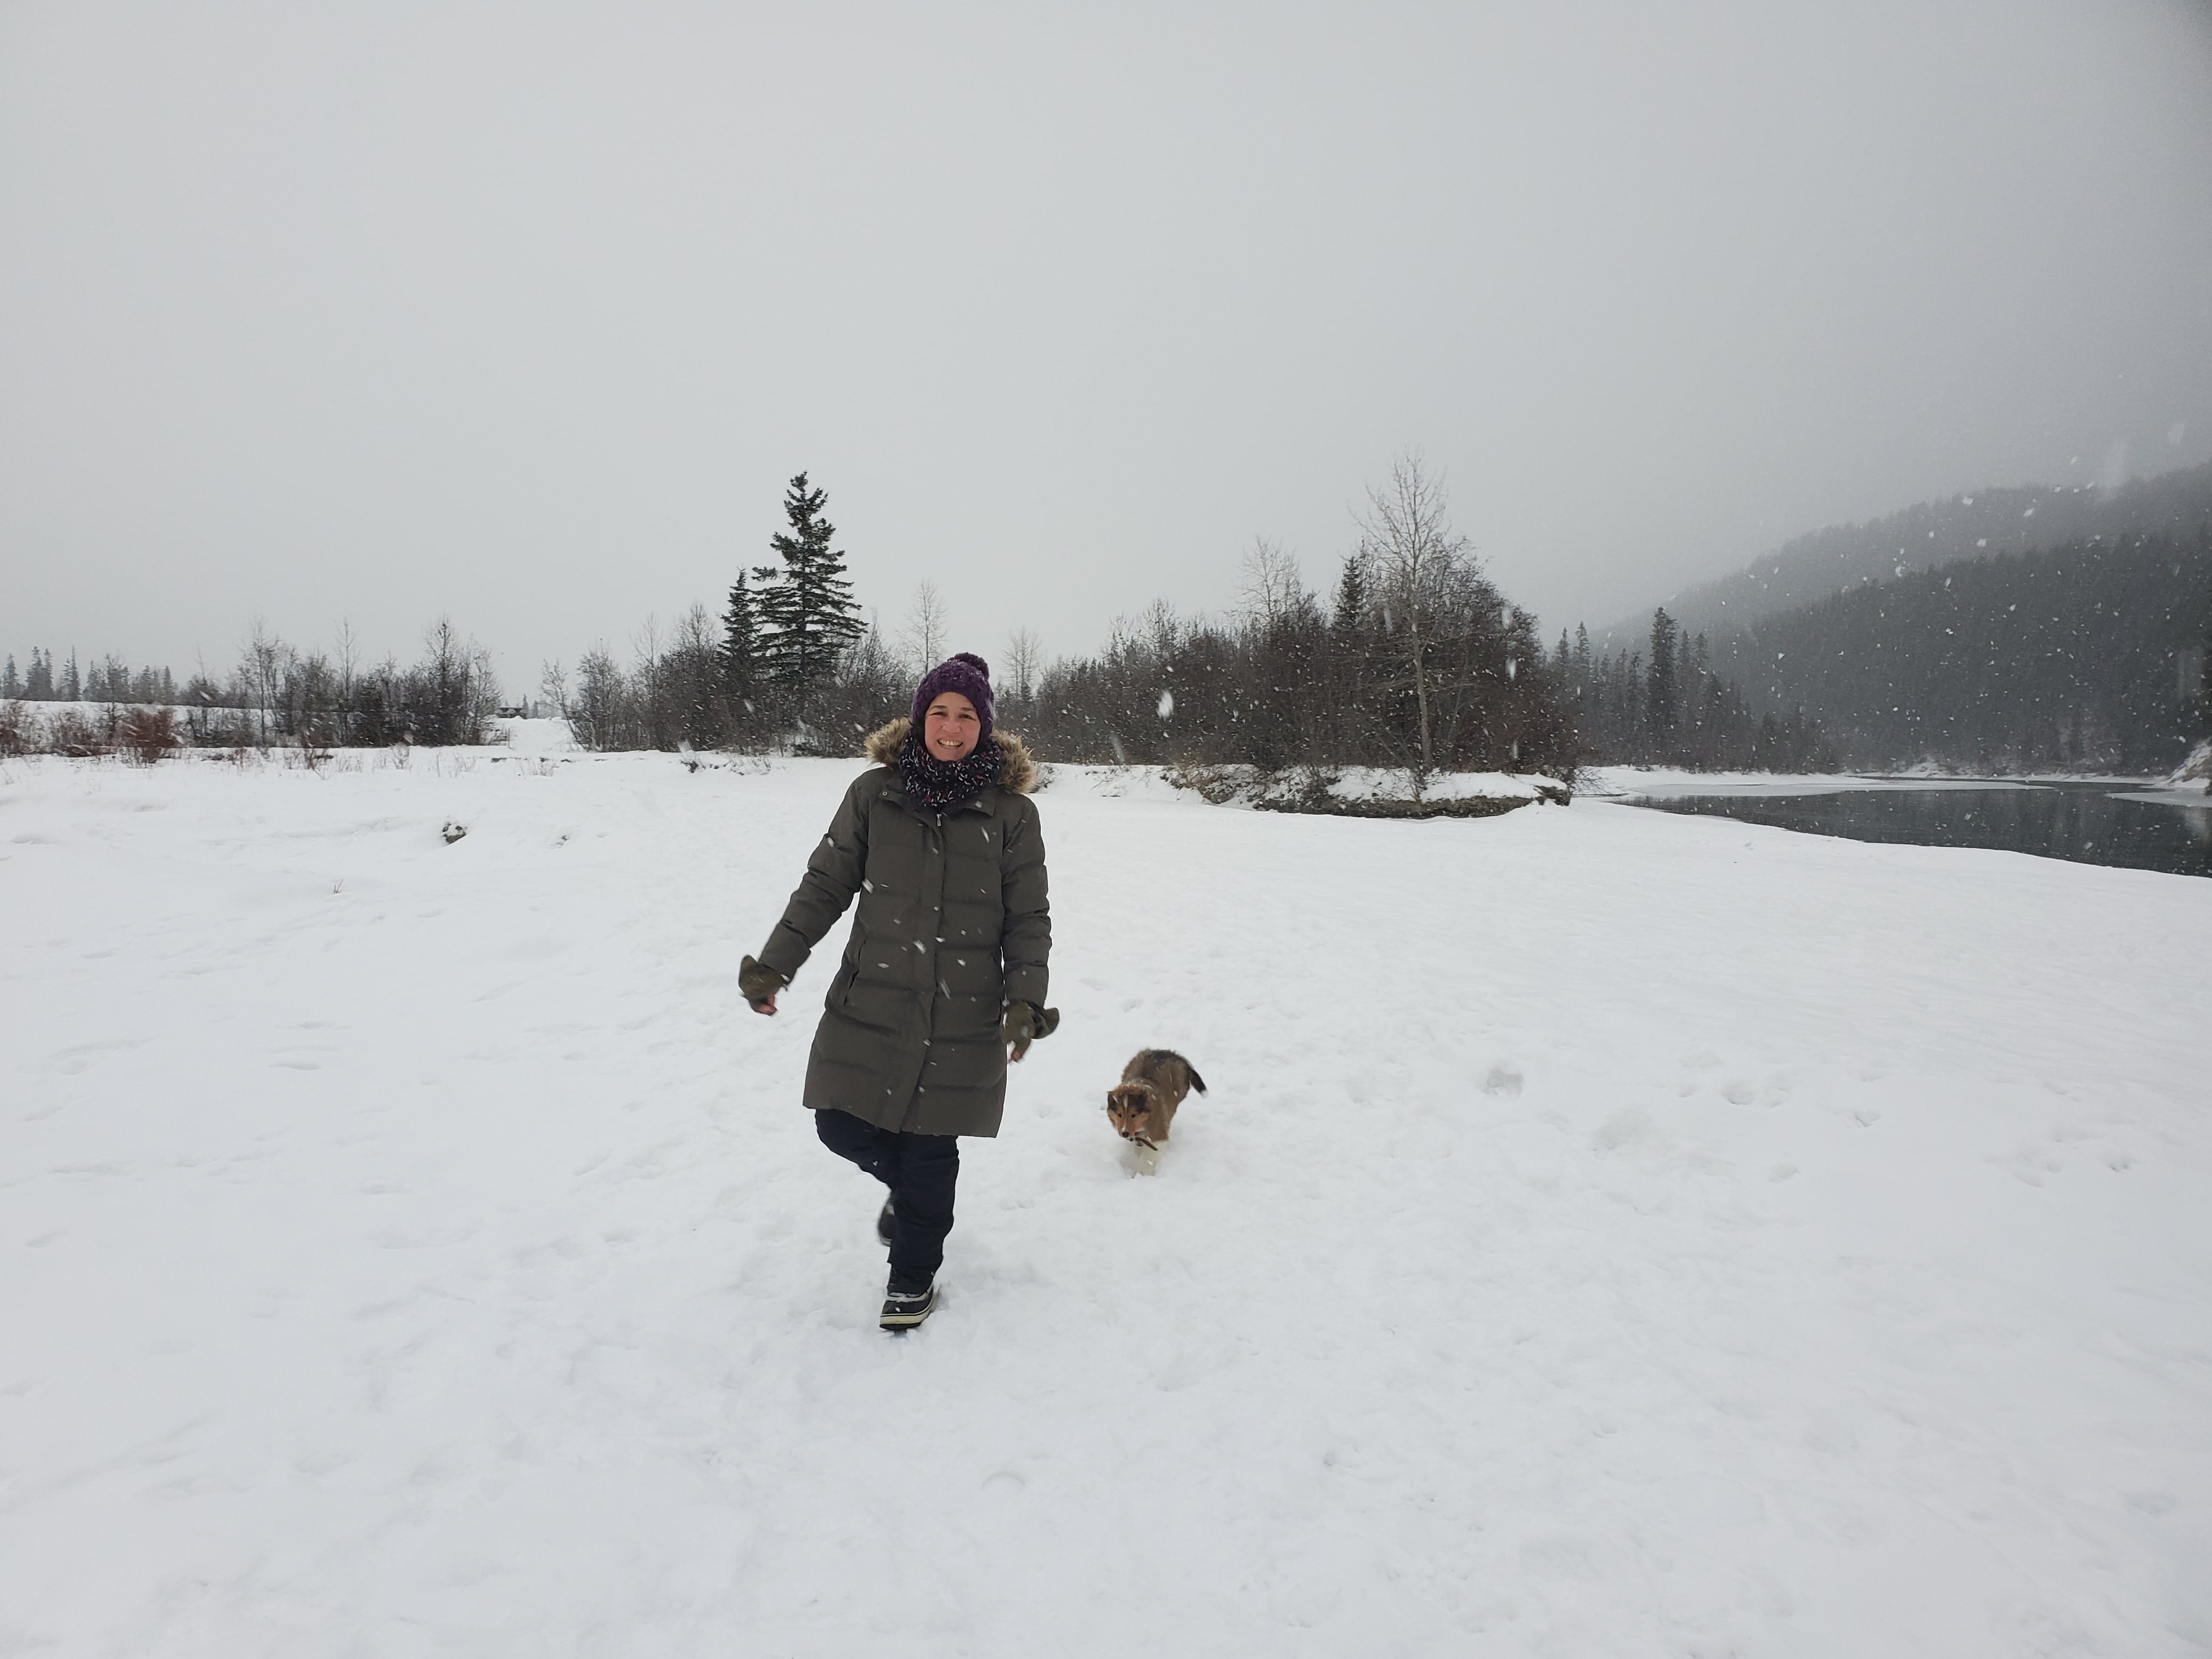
<point>2090,656</point>
<point>2025,518</point>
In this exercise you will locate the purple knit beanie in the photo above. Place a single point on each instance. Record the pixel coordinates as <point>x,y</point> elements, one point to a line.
<point>970,676</point>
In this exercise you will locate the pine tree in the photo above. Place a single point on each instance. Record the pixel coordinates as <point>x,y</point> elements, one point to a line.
<point>1351,596</point>
<point>71,689</point>
<point>10,687</point>
<point>1662,687</point>
<point>2204,655</point>
<point>806,608</point>
<point>40,686</point>
<point>740,643</point>
<point>2204,678</point>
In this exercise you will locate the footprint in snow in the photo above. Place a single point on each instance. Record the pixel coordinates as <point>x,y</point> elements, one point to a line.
<point>1619,1129</point>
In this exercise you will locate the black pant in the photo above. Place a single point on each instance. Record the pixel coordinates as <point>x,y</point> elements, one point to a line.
<point>919,1170</point>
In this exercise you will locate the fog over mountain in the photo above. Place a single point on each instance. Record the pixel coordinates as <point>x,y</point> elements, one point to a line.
<point>2019,519</point>
<point>2087,656</point>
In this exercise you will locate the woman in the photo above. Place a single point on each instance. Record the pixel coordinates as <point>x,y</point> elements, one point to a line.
<point>944,981</point>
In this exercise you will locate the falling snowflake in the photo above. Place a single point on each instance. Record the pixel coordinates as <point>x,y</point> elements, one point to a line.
<point>1167,704</point>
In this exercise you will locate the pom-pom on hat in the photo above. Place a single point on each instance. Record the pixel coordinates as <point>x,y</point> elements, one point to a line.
<point>967,674</point>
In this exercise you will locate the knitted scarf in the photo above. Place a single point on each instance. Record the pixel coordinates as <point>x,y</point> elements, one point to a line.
<point>938,784</point>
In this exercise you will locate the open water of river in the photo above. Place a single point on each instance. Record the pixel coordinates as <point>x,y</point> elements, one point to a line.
<point>2088,823</point>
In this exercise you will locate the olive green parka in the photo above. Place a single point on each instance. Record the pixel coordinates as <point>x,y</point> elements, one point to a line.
<point>952,925</point>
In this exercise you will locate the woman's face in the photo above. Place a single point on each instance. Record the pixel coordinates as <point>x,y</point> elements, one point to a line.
<point>950,729</point>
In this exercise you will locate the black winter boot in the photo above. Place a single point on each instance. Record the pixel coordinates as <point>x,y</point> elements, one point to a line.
<point>909,1299</point>
<point>883,1222</point>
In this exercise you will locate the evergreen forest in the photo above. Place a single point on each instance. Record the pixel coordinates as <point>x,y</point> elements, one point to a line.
<point>2090,657</point>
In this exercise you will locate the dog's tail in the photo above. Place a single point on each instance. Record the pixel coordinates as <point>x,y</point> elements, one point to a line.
<point>1196,1081</point>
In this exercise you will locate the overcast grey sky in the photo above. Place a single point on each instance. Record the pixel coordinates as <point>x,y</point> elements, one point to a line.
<point>524,314</point>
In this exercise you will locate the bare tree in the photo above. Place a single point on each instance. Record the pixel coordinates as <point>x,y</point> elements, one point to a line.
<point>1162,629</point>
<point>348,668</point>
<point>553,687</point>
<point>692,674</point>
<point>1272,588</point>
<point>596,714</point>
<point>1418,563</point>
<point>923,638</point>
<point>1024,662</point>
<point>262,665</point>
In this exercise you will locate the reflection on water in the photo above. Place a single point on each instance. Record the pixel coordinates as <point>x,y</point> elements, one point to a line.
<point>2089,823</point>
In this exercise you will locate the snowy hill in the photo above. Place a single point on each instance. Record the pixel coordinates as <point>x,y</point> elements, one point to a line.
<point>2015,520</point>
<point>1609,1232</point>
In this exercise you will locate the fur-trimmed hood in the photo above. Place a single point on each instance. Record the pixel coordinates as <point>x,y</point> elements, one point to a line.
<point>1017,771</point>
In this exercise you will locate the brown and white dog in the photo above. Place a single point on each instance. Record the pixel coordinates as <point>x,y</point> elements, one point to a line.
<point>1142,1108</point>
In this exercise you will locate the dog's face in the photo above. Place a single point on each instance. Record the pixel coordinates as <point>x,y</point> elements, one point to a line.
<point>1129,1109</point>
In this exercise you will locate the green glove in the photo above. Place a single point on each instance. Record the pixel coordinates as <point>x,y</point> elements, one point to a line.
<point>1024,1025</point>
<point>758,983</point>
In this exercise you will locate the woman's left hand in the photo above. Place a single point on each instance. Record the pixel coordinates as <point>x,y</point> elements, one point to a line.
<point>1023,1026</point>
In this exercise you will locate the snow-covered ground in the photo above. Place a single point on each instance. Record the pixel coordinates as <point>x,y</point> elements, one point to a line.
<point>1609,1232</point>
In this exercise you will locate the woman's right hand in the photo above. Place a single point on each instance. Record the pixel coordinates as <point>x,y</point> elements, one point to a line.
<point>758,984</point>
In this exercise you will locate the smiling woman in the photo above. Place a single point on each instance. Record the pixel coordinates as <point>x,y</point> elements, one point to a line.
<point>943,982</point>
<point>951,727</point>
<point>939,760</point>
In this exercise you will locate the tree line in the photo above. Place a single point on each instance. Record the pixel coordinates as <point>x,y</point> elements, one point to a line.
<point>1415,660</point>
<point>109,679</point>
<point>1673,709</point>
<point>2097,655</point>
<point>276,692</point>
